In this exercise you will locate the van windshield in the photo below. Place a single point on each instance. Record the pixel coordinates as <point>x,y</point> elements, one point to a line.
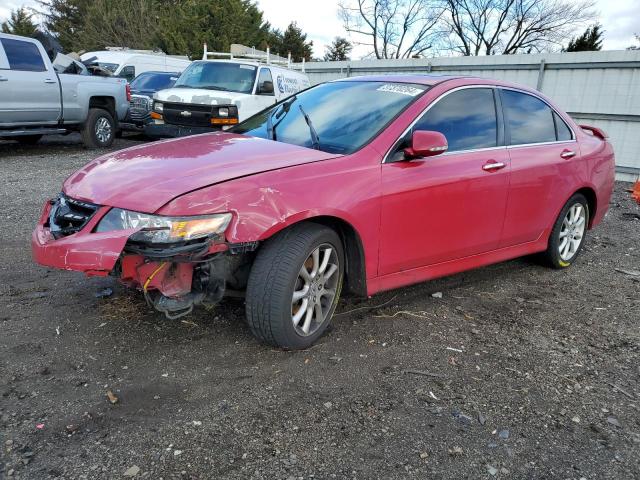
<point>232,77</point>
<point>337,117</point>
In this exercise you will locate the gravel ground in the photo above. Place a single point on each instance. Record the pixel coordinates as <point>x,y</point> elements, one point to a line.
<point>517,371</point>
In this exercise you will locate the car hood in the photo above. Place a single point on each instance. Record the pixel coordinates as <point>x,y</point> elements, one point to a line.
<point>146,177</point>
<point>199,96</point>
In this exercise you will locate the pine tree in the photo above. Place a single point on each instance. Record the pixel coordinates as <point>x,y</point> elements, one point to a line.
<point>590,40</point>
<point>339,49</point>
<point>291,40</point>
<point>20,23</point>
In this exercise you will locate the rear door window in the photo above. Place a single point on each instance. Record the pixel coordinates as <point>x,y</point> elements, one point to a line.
<point>563,132</point>
<point>529,119</point>
<point>467,118</point>
<point>23,56</point>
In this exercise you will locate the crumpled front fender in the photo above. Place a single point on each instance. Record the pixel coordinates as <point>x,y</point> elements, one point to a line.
<point>92,253</point>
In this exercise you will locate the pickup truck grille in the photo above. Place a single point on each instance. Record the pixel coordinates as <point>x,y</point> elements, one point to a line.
<point>68,216</point>
<point>187,114</point>
<point>140,107</point>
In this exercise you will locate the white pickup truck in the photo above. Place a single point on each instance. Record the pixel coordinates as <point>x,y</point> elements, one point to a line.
<point>37,100</point>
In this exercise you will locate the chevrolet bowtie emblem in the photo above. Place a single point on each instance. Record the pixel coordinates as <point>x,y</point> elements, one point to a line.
<point>185,113</point>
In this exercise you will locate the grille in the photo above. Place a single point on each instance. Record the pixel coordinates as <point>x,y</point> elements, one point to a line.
<point>140,107</point>
<point>186,114</point>
<point>68,216</point>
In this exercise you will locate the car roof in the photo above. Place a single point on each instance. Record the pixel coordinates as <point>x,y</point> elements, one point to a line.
<point>432,80</point>
<point>155,72</point>
<point>409,78</point>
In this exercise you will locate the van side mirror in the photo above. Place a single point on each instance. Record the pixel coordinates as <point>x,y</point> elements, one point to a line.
<point>425,143</point>
<point>265,88</point>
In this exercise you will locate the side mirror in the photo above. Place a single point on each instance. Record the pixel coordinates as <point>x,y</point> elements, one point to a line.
<point>266,88</point>
<point>426,144</point>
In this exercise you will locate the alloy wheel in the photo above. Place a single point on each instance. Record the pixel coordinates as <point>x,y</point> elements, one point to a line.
<point>572,231</point>
<point>315,290</point>
<point>103,130</point>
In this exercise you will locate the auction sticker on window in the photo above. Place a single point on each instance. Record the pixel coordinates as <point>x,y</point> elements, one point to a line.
<point>402,89</point>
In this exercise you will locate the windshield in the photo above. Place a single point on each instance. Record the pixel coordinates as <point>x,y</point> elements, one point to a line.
<point>112,67</point>
<point>344,115</point>
<point>154,81</point>
<point>232,77</point>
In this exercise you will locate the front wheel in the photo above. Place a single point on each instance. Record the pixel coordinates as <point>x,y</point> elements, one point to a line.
<point>568,233</point>
<point>295,285</point>
<point>99,129</point>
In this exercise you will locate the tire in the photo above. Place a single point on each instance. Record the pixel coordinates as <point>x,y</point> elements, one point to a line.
<point>277,273</point>
<point>559,254</point>
<point>28,139</point>
<point>99,130</point>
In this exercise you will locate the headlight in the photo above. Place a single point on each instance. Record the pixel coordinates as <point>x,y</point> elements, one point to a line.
<point>158,107</point>
<point>157,229</point>
<point>223,112</point>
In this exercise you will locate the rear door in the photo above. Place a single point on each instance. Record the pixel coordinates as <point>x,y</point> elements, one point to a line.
<point>545,165</point>
<point>452,205</point>
<point>29,90</point>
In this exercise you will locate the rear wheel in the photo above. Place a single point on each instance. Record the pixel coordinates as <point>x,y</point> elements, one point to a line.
<point>99,129</point>
<point>568,234</point>
<point>295,285</point>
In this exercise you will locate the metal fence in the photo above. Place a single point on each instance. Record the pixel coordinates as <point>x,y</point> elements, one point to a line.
<point>597,88</point>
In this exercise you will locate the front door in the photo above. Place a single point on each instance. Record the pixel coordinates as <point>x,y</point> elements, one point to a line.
<point>449,206</point>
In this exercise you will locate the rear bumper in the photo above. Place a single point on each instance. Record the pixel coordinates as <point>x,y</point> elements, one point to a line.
<point>171,131</point>
<point>84,251</point>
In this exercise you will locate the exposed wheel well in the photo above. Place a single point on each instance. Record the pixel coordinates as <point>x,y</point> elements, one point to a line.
<point>355,271</point>
<point>106,103</point>
<point>590,195</point>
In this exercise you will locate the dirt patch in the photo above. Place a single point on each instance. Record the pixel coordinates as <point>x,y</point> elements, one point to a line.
<point>517,371</point>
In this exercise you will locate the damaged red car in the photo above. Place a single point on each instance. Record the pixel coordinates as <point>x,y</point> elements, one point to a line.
<point>358,185</point>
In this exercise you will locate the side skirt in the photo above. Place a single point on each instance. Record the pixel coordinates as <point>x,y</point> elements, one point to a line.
<point>430,272</point>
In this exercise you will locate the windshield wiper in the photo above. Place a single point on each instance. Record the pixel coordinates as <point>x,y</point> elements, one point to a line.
<point>280,114</point>
<point>315,139</point>
<point>214,87</point>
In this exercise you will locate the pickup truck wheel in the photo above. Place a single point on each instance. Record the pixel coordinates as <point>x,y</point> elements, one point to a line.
<point>295,285</point>
<point>28,139</point>
<point>568,233</point>
<point>99,130</point>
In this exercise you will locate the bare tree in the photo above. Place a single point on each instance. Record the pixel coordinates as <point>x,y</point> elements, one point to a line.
<point>489,27</point>
<point>394,28</point>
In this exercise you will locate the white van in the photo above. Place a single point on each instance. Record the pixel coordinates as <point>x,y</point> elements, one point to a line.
<point>125,63</point>
<point>214,94</point>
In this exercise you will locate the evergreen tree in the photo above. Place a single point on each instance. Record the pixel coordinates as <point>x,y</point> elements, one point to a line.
<point>590,40</point>
<point>291,40</point>
<point>20,23</point>
<point>339,49</point>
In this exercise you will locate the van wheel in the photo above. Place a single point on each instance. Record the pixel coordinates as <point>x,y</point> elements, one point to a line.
<point>568,234</point>
<point>28,139</point>
<point>99,130</point>
<point>295,285</point>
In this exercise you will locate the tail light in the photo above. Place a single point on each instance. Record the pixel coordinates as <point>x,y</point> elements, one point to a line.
<point>128,89</point>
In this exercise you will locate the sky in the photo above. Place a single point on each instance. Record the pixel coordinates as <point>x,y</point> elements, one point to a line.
<point>319,19</point>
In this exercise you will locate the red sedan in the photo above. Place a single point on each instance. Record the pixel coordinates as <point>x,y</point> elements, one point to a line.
<point>362,185</point>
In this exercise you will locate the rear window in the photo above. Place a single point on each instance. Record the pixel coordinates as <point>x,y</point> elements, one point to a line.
<point>23,56</point>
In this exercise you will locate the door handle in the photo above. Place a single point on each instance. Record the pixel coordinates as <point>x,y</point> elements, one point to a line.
<point>567,154</point>
<point>4,79</point>
<point>492,166</point>
<point>48,80</point>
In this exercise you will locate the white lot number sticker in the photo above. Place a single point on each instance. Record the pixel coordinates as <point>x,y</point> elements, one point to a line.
<point>247,67</point>
<point>402,89</point>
